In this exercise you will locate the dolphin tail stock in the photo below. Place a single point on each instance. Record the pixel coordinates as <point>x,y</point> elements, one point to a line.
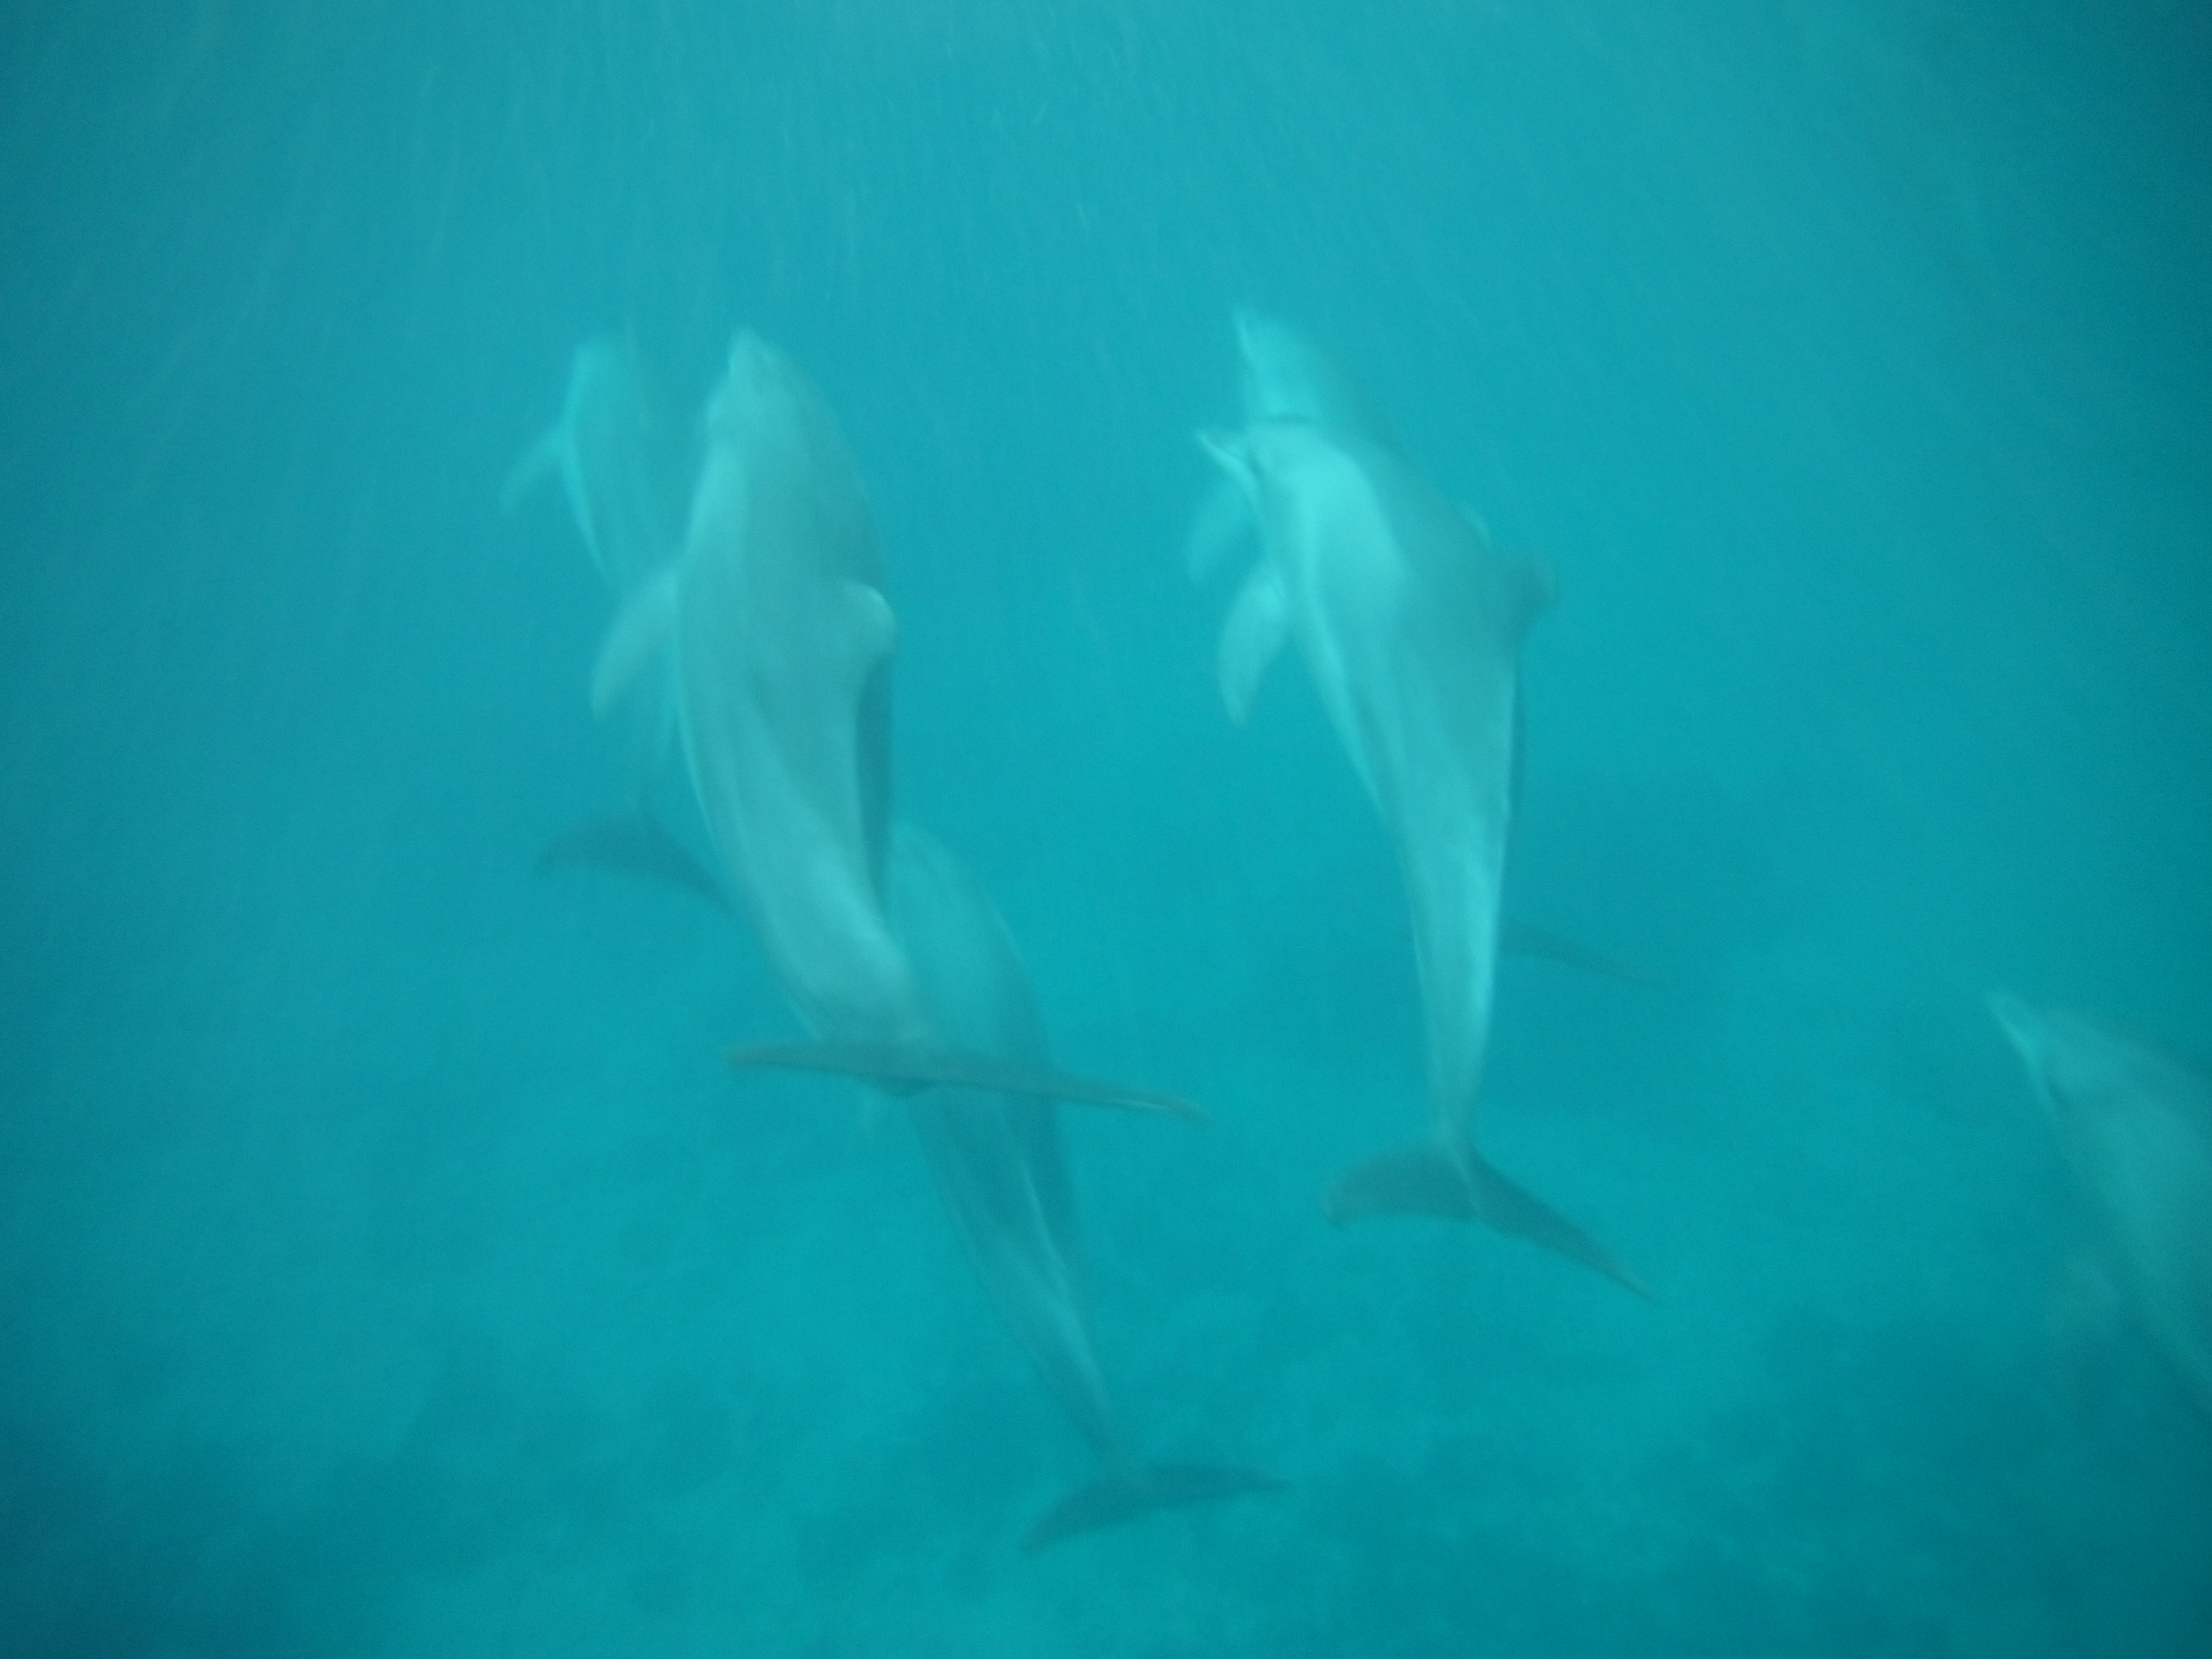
<point>1128,1493</point>
<point>908,1068</point>
<point>1461,1186</point>
<point>1524,938</point>
<point>540,462</point>
<point>635,844</point>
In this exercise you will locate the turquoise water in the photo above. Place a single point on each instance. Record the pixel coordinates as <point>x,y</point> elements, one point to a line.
<point>390,1265</point>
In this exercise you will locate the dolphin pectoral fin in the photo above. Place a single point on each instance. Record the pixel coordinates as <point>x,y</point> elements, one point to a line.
<point>541,461</point>
<point>1223,524</point>
<point>1251,638</point>
<point>1431,1181</point>
<point>635,844</point>
<point>1525,939</point>
<point>645,627</point>
<point>905,1068</point>
<point>1127,1494</point>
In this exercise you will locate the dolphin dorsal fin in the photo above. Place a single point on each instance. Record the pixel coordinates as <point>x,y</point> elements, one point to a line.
<point>1252,637</point>
<point>1529,588</point>
<point>870,628</point>
<point>645,629</point>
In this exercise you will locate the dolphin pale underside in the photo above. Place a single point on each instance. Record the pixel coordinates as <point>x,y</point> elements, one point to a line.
<point>1431,1179</point>
<point>906,1068</point>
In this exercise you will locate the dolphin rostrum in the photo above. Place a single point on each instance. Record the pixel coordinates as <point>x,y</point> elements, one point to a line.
<point>998,1164</point>
<point>2135,1130</point>
<point>1410,625</point>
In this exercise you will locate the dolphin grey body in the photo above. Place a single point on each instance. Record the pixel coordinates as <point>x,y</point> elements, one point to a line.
<point>2135,1127</point>
<point>1410,625</point>
<point>998,1166</point>
<point>780,637</point>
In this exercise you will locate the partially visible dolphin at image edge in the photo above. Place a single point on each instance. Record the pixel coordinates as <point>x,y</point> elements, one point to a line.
<point>2135,1127</point>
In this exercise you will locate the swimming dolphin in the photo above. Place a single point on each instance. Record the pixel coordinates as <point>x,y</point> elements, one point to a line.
<point>2135,1130</point>
<point>776,623</point>
<point>1284,377</point>
<point>623,462</point>
<point>774,619</point>
<point>1410,624</point>
<point>998,1164</point>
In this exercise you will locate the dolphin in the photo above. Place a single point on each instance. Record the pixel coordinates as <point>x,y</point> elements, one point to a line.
<point>1284,377</point>
<point>774,624</point>
<point>1410,624</point>
<point>623,462</point>
<point>998,1166</point>
<point>2135,1127</point>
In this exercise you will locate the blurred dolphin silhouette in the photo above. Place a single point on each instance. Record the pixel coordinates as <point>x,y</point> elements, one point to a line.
<point>2135,1129</point>
<point>774,621</point>
<point>780,638</point>
<point>1410,624</point>
<point>624,463</point>
<point>1284,377</point>
<point>998,1164</point>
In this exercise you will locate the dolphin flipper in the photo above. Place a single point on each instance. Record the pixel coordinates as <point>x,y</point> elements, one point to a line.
<point>635,844</point>
<point>1525,939</point>
<point>1127,1494</point>
<point>1430,1180</point>
<point>1258,627</point>
<point>1223,526</point>
<point>907,1069</point>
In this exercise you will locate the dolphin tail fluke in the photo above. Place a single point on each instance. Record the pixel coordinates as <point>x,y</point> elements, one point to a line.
<point>1432,1180</point>
<point>1523,939</point>
<point>635,844</point>
<point>541,461</point>
<point>1146,1489</point>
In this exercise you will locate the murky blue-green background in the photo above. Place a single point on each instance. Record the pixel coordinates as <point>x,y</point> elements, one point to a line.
<point>388,1265</point>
